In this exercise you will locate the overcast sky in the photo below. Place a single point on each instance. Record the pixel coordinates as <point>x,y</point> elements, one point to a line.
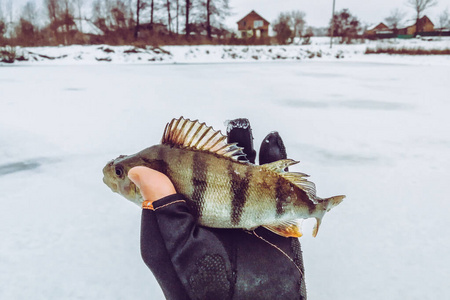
<point>318,12</point>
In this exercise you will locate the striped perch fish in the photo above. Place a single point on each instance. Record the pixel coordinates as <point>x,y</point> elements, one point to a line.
<point>222,191</point>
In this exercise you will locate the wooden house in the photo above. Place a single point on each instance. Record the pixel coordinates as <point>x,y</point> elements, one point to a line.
<point>380,28</point>
<point>253,25</point>
<point>424,24</point>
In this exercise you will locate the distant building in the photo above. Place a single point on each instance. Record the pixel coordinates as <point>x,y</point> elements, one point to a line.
<point>253,25</point>
<point>378,29</point>
<point>426,27</point>
<point>424,24</point>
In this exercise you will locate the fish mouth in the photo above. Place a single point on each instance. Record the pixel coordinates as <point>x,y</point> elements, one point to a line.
<point>113,186</point>
<point>107,180</point>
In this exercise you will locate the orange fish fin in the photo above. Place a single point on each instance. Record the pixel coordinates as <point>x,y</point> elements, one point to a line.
<point>184,133</point>
<point>287,228</point>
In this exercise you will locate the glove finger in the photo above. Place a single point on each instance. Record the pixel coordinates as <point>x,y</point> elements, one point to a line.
<point>272,149</point>
<point>240,132</point>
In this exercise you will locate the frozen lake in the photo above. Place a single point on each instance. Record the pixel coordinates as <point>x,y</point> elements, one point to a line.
<point>377,132</point>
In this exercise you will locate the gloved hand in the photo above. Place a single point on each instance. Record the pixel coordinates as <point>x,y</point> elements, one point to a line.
<point>195,262</point>
<point>272,147</point>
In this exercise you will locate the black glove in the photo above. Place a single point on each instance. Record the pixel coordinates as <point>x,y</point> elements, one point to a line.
<point>195,262</point>
<point>272,147</point>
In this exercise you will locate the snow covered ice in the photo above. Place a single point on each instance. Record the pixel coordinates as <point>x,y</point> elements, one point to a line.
<point>374,130</point>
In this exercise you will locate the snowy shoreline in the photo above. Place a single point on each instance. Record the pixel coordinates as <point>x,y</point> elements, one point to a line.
<point>319,50</point>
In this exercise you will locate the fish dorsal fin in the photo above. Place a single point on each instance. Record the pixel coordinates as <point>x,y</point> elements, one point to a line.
<point>291,228</point>
<point>279,165</point>
<point>297,178</point>
<point>184,133</point>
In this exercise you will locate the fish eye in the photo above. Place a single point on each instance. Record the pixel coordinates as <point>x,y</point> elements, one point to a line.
<point>119,171</point>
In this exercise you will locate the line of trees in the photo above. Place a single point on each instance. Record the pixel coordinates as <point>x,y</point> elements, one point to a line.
<point>167,22</point>
<point>119,21</point>
<point>291,26</point>
<point>347,27</point>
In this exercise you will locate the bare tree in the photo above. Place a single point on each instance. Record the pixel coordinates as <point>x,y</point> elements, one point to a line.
<point>444,19</point>
<point>53,9</point>
<point>110,15</point>
<point>102,13</point>
<point>345,25</point>
<point>169,19</point>
<point>119,16</point>
<point>177,15</point>
<point>61,15</point>
<point>2,24</point>
<point>215,12</point>
<point>209,12</point>
<point>394,19</point>
<point>79,4</point>
<point>140,5</point>
<point>6,19</point>
<point>282,28</point>
<point>420,6</point>
<point>26,30</point>
<point>152,12</point>
<point>188,5</point>
<point>10,11</point>
<point>29,12</point>
<point>67,15</point>
<point>298,22</point>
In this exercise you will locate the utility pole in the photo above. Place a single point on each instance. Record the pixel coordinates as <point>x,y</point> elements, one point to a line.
<point>332,26</point>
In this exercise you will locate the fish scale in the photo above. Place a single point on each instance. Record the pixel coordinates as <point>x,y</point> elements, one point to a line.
<point>223,191</point>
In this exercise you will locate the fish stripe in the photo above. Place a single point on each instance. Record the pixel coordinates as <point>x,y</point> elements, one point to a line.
<point>239,192</point>
<point>281,195</point>
<point>303,199</point>
<point>199,181</point>
<point>158,164</point>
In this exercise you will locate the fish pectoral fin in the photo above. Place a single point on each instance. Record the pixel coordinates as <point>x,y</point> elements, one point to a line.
<point>290,228</point>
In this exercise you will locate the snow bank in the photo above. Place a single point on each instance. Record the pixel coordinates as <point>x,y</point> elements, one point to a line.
<point>319,49</point>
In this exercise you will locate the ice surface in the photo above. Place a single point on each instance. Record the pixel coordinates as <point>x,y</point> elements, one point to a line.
<point>374,131</point>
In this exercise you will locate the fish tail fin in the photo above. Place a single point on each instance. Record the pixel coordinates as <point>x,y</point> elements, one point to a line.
<point>333,201</point>
<point>328,204</point>
<point>316,227</point>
